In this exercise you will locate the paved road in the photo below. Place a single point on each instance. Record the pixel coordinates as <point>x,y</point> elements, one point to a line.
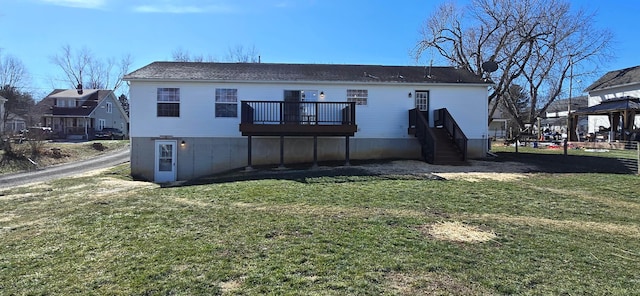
<point>60,171</point>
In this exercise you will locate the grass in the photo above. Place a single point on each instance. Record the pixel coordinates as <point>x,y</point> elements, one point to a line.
<point>69,152</point>
<point>580,159</point>
<point>333,234</point>
<point>630,152</point>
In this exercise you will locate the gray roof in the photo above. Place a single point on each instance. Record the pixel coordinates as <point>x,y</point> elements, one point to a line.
<point>626,103</point>
<point>301,72</point>
<point>616,78</point>
<point>90,99</point>
<point>562,104</point>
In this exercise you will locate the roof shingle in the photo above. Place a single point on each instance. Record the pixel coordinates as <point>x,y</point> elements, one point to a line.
<point>302,72</point>
<point>616,78</point>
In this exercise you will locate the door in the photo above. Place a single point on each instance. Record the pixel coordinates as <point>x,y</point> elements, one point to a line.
<point>422,102</point>
<point>308,106</point>
<point>165,158</point>
<point>292,106</point>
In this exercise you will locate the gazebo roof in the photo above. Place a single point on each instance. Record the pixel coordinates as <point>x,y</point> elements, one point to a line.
<point>626,103</point>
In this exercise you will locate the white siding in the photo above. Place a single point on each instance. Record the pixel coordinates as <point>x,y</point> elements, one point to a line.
<point>384,116</point>
<point>595,97</point>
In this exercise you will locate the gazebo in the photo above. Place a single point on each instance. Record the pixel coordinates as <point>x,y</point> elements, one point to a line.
<point>620,111</point>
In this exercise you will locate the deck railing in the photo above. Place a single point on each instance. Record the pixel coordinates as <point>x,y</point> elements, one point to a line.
<point>310,113</point>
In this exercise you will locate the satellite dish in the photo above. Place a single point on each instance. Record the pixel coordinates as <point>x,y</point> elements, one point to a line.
<point>489,66</point>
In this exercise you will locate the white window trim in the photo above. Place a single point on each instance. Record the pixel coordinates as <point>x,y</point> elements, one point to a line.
<point>216,102</point>
<point>361,96</point>
<point>109,107</point>
<point>164,97</point>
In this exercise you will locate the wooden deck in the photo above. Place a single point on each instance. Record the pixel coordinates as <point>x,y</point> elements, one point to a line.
<point>279,118</point>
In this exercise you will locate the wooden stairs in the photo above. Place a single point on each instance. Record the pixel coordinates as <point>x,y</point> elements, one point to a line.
<point>444,144</point>
<point>447,153</point>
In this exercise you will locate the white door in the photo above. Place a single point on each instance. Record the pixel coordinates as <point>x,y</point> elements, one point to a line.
<point>308,110</point>
<point>165,168</point>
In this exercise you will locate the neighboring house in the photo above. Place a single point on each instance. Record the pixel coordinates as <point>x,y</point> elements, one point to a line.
<point>499,124</point>
<point>555,120</point>
<point>14,123</point>
<point>78,113</point>
<point>196,119</point>
<point>618,84</point>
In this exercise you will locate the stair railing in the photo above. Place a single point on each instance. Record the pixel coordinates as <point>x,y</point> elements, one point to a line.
<point>442,117</point>
<point>424,134</point>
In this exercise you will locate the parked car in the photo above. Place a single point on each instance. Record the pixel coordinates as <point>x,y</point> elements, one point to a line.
<point>109,133</point>
<point>36,133</point>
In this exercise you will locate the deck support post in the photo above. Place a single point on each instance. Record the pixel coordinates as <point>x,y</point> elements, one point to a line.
<point>315,151</point>
<point>346,152</point>
<point>248,168</point>
<point>281,152</point>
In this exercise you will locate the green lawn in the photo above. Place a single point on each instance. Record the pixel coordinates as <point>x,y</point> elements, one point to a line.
<point>572,234</point>
<point>631,152</point>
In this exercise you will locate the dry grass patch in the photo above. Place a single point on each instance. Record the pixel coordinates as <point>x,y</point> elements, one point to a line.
<point>4,196</point>
<point>457,232</point>
<point>430,284</point>
<point>67,152</point>
<point>195,202</point>
<point>486,176</point>
<point>112,185</point>
<point>231,285</point>
<point>585,226</point>
<point>606,200</point>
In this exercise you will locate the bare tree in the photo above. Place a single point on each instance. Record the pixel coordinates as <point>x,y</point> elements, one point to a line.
<point>18,102</point>
<point>533,42</point>
<point>12,71</point>
<point>13,76</point>
<point>241,55</point>
<point>237,54</point>
<point>82,67</point>
<point>183,55</point>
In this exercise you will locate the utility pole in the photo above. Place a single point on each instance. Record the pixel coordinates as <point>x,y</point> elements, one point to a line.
<point>569,129</point>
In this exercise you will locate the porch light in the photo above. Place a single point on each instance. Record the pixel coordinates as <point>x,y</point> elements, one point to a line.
<point>322,95</point>
<point>409,95</point>
<point>182,143</point>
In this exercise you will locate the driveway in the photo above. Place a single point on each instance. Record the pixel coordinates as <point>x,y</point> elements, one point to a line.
<point>60,171</point>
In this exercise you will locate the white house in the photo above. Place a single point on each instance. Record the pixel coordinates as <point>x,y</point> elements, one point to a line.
<point>193,119</point>
<point>616,84</point>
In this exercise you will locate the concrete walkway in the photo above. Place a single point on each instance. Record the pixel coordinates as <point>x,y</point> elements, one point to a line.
<point>107,160</point>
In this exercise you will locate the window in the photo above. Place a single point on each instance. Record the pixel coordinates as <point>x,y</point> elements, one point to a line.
<point>101,124</point>
<point>226,102</point>
<point>359,96</point>
<point>422,100</point>
<point>109,107</point>
<point>168,102</point>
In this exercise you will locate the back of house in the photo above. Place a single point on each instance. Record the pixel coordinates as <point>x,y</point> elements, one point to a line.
<point>191,119</point>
